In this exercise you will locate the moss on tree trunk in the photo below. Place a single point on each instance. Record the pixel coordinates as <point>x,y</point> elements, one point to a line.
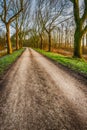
<point>77,44</point>
<point>80,31</point>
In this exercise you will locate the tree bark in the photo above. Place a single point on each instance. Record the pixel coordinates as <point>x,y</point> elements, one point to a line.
<point>83,45</point>
<point>86,40</point>
<point>9,45</point>
<point>77,44</point>
<point>20,40</point>
<point>49,46</point>
<point>17,32</point>
<point>41,43</point>
<point>17,41</point>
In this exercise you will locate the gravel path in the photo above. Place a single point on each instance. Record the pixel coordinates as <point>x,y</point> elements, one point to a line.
<point>38,95</point>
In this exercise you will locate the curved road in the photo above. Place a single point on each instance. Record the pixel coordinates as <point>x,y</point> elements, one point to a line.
<point>36,94</point>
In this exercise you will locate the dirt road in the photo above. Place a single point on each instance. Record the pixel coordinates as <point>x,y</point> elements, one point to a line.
<point>38,95</point>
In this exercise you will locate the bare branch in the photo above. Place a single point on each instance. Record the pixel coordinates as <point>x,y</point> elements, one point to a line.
<point>14,17</point>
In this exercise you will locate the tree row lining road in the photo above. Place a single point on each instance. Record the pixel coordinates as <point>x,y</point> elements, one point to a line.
<point>5,50</point>
<point>38,95</point>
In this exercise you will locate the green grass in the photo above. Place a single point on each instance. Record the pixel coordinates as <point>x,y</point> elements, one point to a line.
<point>73,63</point>
<point>7,60</point>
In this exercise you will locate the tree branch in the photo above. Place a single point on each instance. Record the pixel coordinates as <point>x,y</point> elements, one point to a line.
<point>76,11</point>
<point>2,18</point>
<point>85,12</point>
<point>14,17</point>
<point>72,1</point>
<point>84,30</point>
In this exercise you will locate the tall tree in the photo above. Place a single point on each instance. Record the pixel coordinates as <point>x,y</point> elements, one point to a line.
<point>49,13</point>
<point>80,30</point>
<point>20,23</point>
<point>8,16</point>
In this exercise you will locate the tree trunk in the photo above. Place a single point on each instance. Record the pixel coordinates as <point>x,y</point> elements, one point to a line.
<point>21,41</point>
<point>59,39</point>
<point>83,45</point>
<point>79,21</point>
<point>17,40</point>
<point>9,45</point>
<point>41,43</point>
<point>77,44</point>
<point>86,40</point>
<point>49,46</point>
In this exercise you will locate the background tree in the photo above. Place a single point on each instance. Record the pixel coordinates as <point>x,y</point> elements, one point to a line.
<point>49,13</point>
<point>21,23</point>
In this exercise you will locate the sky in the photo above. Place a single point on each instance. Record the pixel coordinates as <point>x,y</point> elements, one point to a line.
<point>32,10</point>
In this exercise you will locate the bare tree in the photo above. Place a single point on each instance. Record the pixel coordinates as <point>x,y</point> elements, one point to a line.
<point>8,16</point>
<point>21,23</point>
<point>49,12</point>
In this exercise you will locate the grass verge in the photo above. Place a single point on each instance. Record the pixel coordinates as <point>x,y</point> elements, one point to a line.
<point>79,65</point>
<point>7,60</point>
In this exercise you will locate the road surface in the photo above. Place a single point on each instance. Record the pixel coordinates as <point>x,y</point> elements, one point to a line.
<point>36,94</point>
